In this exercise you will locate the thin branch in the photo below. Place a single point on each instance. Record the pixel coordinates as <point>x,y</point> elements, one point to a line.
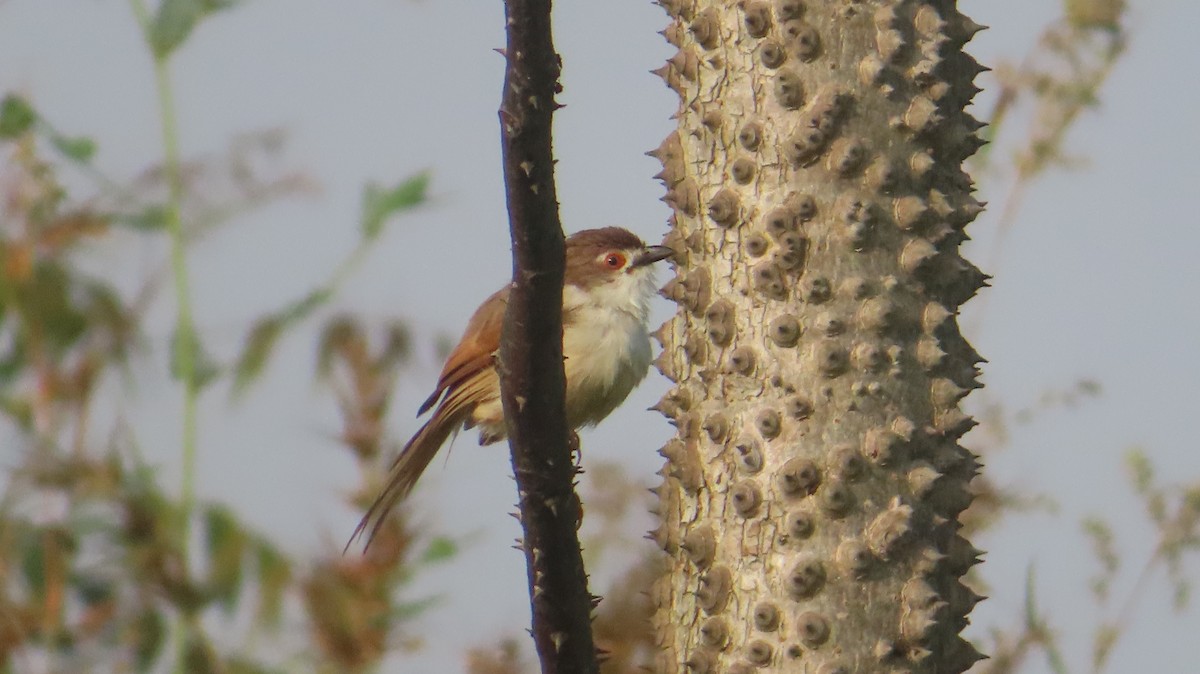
<point>184,356</point>
<point>533,384</point>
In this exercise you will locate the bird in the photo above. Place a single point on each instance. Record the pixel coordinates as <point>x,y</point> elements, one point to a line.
<point>607,286</point>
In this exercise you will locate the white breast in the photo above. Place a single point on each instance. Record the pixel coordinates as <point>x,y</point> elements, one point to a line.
<point>606,345</point>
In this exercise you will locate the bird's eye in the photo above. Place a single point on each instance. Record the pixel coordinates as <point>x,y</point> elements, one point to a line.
<point>614,260</point>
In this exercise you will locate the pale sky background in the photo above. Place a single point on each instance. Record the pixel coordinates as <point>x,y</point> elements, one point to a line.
<point>1098,279</point>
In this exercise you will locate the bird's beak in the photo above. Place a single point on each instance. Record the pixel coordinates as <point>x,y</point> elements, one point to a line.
<point>651,255</point>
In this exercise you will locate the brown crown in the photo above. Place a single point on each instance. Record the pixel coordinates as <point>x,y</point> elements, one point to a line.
<point>584,247</point>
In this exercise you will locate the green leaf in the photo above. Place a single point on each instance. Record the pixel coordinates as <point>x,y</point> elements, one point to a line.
<point>172,24</point>
<point>261,340</point>
<point>1103,546</point>
<point>256,351</point>
<point>1095,14</point>
<point>33,564</point>
<point>1103,539</point>
<point>226,548</point>
<point>150,218</point>
<point>1054,657</point>
<point>46,302</point>
<point>1181,594</point>
<point>439,550</point>
<point>380,203</point>
<point>94,590</point>
<point>1036,625</point>
<point>304,306</point>
<point>79,148</point>
<point>176,19</point>
<point>13,362</point>
<point>204,368</point>
<point>1102,642</point>
<point>16,116</point>
<point>18,410</point>
<point>410,610</point>
<point>1140,469</point>
<point>146,635</point>
<point>1191,500</point>
<point>107,314</point>
<point>199,656</point>
<point>1032,621</point>
<point>274,576</point>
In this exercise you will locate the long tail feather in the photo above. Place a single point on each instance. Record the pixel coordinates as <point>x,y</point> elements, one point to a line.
<point>406,469</point>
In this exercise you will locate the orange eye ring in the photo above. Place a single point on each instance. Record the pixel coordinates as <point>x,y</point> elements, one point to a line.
<point>614,260</point>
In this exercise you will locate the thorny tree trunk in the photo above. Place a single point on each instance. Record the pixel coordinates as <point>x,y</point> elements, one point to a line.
<point>809,502</point>
<point>530,358</point>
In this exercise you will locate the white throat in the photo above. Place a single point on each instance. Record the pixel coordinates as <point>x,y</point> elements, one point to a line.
<point>606,343</point>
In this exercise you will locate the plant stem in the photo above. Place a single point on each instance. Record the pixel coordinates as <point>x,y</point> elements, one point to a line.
<point>184,327</point>
<point>184,353</point>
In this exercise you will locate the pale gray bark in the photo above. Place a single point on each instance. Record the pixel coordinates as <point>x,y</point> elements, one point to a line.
<point>809,501</point>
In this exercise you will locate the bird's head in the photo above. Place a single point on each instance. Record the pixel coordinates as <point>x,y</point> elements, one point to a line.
<point>611,267</point>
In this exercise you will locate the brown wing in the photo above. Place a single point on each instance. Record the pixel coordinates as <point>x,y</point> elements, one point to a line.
<point>466,379</point>
<point>475,350</point>
<point>412,461</point>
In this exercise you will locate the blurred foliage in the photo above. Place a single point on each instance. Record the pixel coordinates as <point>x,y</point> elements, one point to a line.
<point>997,422</point>
<point>379,204</point>
<point>1039,99</point>
<point>1038,102</point>
<point>95,574</point>
<point>92,577</point>
<point>1012,647</point>
<point>174,20</point>
<point>1173,513</point>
